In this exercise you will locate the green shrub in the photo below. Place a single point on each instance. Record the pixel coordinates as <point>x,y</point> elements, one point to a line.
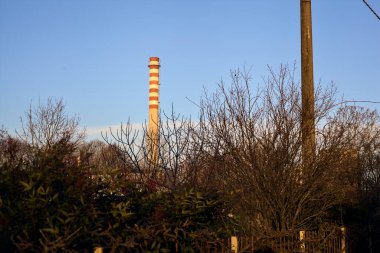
<point>51,204</point>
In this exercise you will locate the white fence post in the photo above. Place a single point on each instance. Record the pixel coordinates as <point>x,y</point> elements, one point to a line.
<point>98,250</point>
<point>343,240</point>
<point>234,244</point>
<point>302,240</point>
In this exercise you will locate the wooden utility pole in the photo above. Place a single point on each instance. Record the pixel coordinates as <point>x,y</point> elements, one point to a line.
<point>307,79</point>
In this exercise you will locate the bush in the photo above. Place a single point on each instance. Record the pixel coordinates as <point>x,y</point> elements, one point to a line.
<point>51,203</point>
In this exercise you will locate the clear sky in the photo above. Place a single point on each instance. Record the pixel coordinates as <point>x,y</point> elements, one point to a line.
<point>94,53</point>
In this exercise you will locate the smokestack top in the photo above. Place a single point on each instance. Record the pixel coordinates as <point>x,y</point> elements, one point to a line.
<point>154,86</point>
<point>154,62</point>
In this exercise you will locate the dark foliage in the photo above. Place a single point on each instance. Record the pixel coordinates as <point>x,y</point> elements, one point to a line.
<point>50,203</point>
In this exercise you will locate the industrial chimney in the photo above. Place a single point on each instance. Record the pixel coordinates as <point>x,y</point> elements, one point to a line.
<point>153,121</point>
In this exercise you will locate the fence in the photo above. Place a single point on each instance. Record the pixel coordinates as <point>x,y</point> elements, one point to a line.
<point>332,240</point>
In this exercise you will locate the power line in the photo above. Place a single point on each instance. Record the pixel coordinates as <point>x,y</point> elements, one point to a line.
<point>372,10</point>
<point>357,101</point>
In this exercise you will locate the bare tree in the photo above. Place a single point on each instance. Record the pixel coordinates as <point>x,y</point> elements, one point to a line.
<point>45,125</point>
<point>247,143</point>
<point>104,163</point>
<point>179,150</point>
<point>257,136</point>
<point>11,149</point>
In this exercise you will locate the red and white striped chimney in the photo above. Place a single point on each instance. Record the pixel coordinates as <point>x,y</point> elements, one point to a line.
<point>154,66</point>
<point>153,122</point>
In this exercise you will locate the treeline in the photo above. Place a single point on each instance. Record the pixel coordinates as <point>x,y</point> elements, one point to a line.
<point>236,169</point>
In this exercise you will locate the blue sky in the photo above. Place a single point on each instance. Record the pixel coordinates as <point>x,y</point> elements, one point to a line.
<point>94,53</point>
